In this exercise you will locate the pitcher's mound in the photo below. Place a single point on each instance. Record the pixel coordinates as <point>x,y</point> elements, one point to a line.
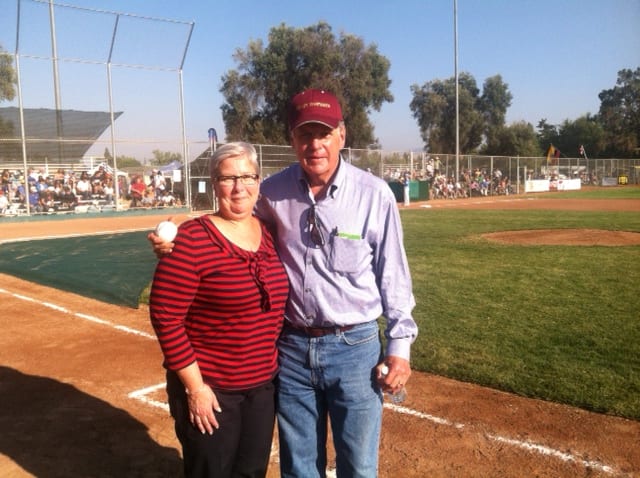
<point>566,237</point>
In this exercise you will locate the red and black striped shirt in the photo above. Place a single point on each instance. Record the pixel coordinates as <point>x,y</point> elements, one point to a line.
<point>220,305</point>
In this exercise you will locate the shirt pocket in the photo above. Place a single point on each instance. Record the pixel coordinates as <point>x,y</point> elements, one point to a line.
<point>349,256</point>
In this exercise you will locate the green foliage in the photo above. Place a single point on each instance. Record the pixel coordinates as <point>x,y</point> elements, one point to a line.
<point>613,133</point>
<point>586,131</point>
<point>534,320</point>
<point>160,158</point>
<point>434,107</point>
<point>258,92</point>
<point>516,139</point>
<point>494,102</point>
<point>128,162</point>
<point>620,115</point>
<point>8,81</point>
<point>8,77</point>
<point>9,150</point>
<point>547,134</point>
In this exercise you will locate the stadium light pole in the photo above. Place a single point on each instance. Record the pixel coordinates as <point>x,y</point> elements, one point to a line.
<point>56,80</point>
<point>455,47</point>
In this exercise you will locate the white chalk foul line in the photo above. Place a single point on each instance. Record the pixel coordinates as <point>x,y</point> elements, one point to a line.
<point>142,395</point>
<point>524,445</point>
<point>90,318</point>
<point>74,234</point>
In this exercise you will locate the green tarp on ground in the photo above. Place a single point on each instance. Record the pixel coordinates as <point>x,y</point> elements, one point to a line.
<point>113,268</point>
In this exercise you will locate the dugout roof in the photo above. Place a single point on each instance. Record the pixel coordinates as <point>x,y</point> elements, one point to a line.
<point>78,129</point>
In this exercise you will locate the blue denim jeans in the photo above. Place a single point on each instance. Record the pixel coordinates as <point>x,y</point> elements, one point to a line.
<point>330,376</point>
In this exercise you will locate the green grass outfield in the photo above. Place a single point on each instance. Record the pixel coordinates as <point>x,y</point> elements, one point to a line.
<point>560,323</point>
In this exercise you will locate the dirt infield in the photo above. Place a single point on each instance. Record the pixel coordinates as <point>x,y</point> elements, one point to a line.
<point>79,392</point>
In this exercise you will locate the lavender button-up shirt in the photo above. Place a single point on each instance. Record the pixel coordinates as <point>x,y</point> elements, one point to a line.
<point>361,271</point>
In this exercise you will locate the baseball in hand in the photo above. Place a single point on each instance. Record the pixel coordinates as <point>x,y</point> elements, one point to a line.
<point>167,231</point>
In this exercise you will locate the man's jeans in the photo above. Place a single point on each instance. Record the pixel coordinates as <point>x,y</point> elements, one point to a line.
<point>334,375</point>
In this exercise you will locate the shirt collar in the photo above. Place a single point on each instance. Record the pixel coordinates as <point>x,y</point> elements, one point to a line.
<point>338,179</point>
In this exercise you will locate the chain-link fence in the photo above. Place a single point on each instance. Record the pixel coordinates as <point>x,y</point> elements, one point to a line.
<point>86,81</point>
<point>431,176</point>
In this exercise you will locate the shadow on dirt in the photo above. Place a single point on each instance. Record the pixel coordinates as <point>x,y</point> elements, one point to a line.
<point>52,429</point>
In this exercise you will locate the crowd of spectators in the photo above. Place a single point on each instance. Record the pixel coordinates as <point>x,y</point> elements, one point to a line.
<point>64,191</point>
<point>60,191</point>
<point>477,182</point>
<point>153,193</point>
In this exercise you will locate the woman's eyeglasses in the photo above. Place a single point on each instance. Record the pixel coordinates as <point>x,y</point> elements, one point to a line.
<point>246,179</point>
<point>314,227</point>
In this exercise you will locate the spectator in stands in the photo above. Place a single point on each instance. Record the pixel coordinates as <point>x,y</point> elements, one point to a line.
<point>47,201</point>
<point>220,346</point>
<point>5,183</point>
<point>98,180</point>
<point>167,199</point>
<point>41,184</point>
<point>484,186</point>
<point>99,175</point>
<point>138,189</point>
<point>159,184</point>
<point>70,180</point>
<point>59,175</point>
<point>83,186</point>
<point>32,174</point>
<point>20,193</point>
<point>108,191</point>
<point>68,199</point>
<point>34,198</point>
<point>148,198</point>
<point>4,201</point>
<point>58,187</point>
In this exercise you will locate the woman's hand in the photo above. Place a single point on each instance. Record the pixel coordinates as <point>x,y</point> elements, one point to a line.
<point>202,403</point>
<point>160,247</point>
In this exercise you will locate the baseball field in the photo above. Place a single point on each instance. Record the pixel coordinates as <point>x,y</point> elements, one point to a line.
<point>81,385</point>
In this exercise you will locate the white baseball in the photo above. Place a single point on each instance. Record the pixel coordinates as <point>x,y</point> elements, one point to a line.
<point>167,231</point>
<point>384,370</point>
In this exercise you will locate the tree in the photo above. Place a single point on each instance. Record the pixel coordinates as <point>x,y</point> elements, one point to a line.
<point>620,114</point>
<point>8,77</point>
<point>160,158</point>
<point>258,92</point>
<point>127,162</point>
<point>585,131</point>
<point>7,93</point>
<point>434,107</point>
<point>547,134</point>
<point>517,139</point>
<point>493,104</point>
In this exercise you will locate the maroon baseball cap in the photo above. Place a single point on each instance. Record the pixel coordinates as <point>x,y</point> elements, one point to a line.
<point>314,106</point>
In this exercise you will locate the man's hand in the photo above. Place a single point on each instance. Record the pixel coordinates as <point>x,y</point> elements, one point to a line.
<point>397,373</point>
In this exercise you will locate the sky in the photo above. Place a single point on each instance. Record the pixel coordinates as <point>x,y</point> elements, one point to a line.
<point>556,56</point>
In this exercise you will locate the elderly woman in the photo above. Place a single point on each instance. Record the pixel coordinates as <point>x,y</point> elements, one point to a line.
<point>217,305</point>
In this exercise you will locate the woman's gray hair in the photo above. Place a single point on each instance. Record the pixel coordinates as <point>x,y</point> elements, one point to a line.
<point>233,150</point>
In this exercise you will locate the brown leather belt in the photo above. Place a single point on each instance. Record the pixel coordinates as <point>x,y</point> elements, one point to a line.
<point>319,331</point>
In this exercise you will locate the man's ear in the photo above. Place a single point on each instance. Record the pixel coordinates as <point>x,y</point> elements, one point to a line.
<point>343,134</point>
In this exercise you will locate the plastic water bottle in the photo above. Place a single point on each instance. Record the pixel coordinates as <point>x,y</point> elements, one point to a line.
<point>394,397</point>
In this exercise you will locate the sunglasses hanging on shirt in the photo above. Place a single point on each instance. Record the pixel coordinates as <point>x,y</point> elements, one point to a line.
<point>314,225</point>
